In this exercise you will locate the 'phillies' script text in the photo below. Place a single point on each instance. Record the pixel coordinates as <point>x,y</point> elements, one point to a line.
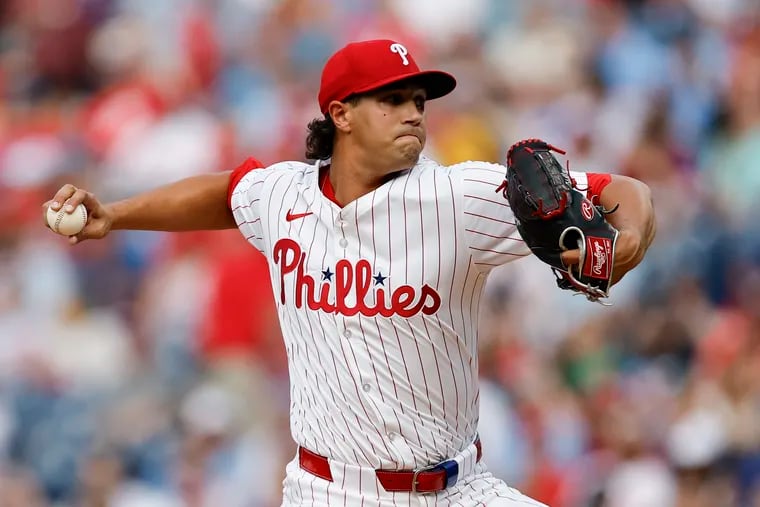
<point>350,279</point>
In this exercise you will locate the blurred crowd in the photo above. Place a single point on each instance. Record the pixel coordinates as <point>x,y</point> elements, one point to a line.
<point>146,369</point>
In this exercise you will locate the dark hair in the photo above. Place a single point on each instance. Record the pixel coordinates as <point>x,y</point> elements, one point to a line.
<point>321,138</point>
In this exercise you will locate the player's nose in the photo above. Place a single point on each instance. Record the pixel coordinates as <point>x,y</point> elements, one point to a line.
<point>412,113</point>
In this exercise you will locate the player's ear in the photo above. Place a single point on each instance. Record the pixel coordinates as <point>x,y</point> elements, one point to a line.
<point>340,112</point>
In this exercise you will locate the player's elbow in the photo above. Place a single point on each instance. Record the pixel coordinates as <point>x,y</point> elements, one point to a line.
<point>647,204</point>
<point>641,194</point>
<point>636,211</point>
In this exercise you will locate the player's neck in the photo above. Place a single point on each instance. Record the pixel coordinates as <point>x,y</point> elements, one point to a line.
<point>351,179</point>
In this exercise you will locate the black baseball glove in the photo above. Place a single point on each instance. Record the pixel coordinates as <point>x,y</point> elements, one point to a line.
<point>554,216</point>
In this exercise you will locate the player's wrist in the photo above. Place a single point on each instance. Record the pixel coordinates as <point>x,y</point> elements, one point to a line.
<point>113,216</point>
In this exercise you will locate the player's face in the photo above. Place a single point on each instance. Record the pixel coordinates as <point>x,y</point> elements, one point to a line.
<point>389,126</point>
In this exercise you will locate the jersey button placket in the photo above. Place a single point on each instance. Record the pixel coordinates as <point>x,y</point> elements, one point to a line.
<point>340,224</point>
<point>399,445</point>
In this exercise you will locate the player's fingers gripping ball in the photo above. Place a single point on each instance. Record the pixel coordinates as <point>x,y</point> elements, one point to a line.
<point>67,224</point>
<point>553,216</point>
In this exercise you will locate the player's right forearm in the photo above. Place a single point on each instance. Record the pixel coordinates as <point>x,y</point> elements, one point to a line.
<point>195,203</point>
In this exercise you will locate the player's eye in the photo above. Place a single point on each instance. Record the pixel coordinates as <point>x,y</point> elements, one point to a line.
<point>395,99</point>
<point>399,98</point>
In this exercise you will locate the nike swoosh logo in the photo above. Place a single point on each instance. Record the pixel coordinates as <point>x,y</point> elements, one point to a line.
<point>290,216</point>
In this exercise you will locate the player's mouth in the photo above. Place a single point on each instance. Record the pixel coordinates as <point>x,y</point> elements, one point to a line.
<point>411,134</point>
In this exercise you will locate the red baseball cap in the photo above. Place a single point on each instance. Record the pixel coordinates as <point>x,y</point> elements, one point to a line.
<point>364,66</point>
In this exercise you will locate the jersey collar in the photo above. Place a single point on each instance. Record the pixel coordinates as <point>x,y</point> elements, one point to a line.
<point>323,183</point>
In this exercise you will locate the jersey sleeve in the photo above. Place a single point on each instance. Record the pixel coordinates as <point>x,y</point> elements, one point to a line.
<point>591,183</point>
<point>238,173</point>
<point>246,183</point>
<point>490,229</point>
<point>490,226</point>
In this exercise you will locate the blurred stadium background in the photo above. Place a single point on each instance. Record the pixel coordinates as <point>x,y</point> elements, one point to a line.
<point>146,369</point>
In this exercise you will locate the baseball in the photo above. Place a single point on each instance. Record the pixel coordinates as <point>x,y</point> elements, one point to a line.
<point>67,224</point>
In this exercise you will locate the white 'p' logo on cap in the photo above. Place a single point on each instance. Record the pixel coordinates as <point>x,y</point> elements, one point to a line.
<point>401,50</point>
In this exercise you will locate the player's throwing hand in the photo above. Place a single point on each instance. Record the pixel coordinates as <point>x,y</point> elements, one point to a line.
<point>99,220</point>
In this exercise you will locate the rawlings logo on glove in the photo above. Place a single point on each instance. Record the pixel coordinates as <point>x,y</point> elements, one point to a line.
<point>553,216</point>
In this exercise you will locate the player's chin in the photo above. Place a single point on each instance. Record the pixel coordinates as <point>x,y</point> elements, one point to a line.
<point>410,153</point>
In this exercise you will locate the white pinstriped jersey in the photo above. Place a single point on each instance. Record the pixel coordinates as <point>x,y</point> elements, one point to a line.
<point>378,303</point>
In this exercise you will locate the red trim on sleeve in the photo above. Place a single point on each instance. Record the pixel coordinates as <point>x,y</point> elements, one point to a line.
<point>237,174</point>
<point>596,183</point>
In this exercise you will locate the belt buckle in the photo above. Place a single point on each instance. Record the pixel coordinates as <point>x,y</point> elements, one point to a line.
<point>451,467</point>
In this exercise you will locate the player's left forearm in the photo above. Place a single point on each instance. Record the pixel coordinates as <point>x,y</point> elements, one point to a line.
<point>634,218</point>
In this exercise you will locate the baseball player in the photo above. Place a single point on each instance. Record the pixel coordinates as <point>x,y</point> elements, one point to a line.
<point>378,257</point>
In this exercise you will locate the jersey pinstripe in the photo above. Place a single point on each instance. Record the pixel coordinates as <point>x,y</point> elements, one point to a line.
<point>378,303</point>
